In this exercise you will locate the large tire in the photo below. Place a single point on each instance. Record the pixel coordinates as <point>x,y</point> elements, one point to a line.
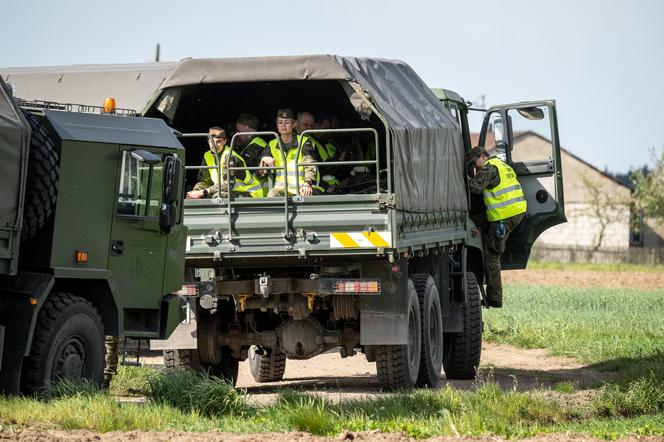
<point>431,318</point>
<point>398,365</point>
<point>68,342</point>
<point>188,360</point>
<point>182,360</point>
<point>267,367</point>
<point>42,179</point>
<point>462,351</point>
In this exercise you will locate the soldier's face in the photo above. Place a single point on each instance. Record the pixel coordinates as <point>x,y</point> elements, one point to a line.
<point>243,128</point>
<point>285,126</point>
<point>479,162</point>
<point>217,139</point>
<point>305,122</point>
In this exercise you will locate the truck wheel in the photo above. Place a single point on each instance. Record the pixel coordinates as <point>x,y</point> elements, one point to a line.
<point>183,360</point>
<point>267,367</point>
<point>431,318</point>
<point>399,365</point>
<point>42,179</point>
<point>461,355</point>
<point>68,342</point>
<point>188,360</point>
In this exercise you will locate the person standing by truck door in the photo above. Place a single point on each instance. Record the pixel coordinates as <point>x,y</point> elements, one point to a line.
<point>271,157</point>
<point>245,184</point>
<point>505,209</point>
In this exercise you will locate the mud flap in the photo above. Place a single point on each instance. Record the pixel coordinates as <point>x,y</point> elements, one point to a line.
<point>184,336</point>
<point>384,318</point>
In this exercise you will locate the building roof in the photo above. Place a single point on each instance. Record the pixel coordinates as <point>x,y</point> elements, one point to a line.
<point>490,144</point>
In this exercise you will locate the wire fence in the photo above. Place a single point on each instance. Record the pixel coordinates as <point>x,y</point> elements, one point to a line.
<point>632,255</point>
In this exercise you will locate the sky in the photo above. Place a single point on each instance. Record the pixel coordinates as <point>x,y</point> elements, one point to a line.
<point>602,61</point>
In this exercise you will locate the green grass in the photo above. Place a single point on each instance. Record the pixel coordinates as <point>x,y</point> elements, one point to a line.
<point>611,329</point>
<point>596,267</point>
<point>424,413</point>
<point>619,330</point>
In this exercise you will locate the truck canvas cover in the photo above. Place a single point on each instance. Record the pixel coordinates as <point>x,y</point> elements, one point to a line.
<point>425,138</point>
<point>14,138</point>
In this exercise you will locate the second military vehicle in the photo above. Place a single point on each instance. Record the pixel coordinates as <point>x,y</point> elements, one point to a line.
<point>91,238</point>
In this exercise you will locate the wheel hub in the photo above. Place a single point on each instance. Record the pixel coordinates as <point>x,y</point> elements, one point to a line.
<point>70,362</point>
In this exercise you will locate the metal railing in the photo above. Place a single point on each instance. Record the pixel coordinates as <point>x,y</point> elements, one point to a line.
<point>375,162</point>
<point>286,234</point>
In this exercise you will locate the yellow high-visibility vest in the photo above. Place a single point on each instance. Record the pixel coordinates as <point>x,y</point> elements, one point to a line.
<point>248,184</point>
<point>290,166</point>
<point>507,198</point>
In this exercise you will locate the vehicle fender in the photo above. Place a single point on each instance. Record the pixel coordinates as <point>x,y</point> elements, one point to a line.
<point>21,299</point>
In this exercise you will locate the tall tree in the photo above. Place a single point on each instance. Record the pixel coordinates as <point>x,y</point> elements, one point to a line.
<point>649,188</point>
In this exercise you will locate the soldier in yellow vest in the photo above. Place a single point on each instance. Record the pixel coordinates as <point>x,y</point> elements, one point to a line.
<point>271,157</point>
<point>250,147</point>
<point>243,183</point>
<point>505,209</point>
<point>325,150</point>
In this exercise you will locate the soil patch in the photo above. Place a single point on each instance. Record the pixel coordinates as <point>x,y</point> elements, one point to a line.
<point>585,278</point>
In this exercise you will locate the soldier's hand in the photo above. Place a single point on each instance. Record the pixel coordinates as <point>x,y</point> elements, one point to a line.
<point>195,194</point>
<point>306,190</point>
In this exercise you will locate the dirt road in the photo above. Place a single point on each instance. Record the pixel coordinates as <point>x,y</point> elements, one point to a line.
<point>336,378</point>
<point>586,278</point>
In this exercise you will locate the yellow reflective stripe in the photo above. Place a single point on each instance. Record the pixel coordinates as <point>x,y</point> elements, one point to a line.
<point>345,239</point>
<point>503,191</point>
<point>375,239</point>
<point>507,203</point>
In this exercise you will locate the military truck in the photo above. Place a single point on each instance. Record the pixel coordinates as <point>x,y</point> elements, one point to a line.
<point>389,265</point>
<point>91,238</point>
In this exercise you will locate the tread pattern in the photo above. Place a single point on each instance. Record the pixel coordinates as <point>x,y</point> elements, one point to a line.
<point>188,360</point>
<point>270,366</point>
<point>42,179</point>
<point>183,360</point>
<point>391,366</point>
<point>34,372</point>
<point>427,376</point>
<point>463,350</point>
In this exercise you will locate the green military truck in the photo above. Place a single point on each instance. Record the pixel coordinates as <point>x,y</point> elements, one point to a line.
<point>387,265</point>
<point>91,238</point>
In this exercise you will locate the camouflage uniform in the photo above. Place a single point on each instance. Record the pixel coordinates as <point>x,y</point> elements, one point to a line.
<point>486,178</point>
<point>111,366</point>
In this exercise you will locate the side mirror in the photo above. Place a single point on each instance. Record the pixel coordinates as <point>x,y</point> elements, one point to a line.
<point>167,216</point>
<point>531,113</point>
<point>172,165</point>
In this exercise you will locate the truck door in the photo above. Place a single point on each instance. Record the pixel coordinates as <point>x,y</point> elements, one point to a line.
<point>138,246</point>
<point>525,135</point>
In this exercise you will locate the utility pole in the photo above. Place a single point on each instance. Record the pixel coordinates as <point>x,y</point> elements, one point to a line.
<point>156,56</point>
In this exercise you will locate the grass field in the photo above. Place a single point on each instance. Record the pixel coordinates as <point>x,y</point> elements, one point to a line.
<point>619,330</point>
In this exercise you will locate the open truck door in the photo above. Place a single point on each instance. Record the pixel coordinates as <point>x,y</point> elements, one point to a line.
<point>525,136</point>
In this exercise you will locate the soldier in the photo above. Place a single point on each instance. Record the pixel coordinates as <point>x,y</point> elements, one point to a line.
<point>250,147</point>
<point>308,175</point>
<point>325,148</point>
<point>505,209</point>
<point>244,183</point>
